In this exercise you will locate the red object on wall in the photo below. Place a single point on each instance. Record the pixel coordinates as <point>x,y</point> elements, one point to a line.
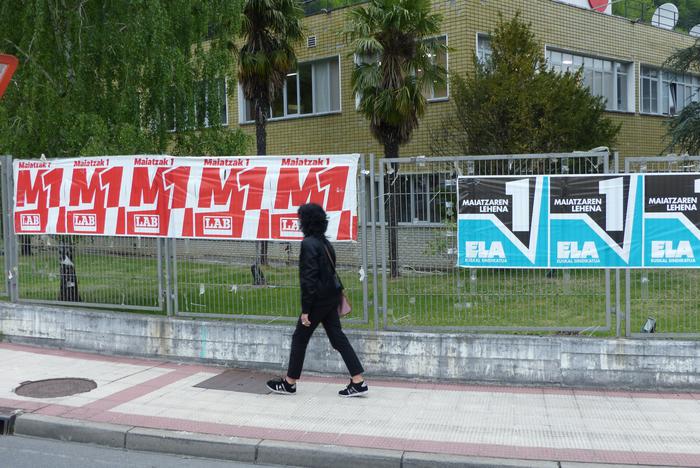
<point>8,65</point>
<point>598,5</point>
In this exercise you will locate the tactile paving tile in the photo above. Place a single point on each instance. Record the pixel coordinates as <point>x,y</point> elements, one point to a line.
<point>242,381</point>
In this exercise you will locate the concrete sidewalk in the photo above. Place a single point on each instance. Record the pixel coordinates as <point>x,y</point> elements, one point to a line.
<point>156,405</point>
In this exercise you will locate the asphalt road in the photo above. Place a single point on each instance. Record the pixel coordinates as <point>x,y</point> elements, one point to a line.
<point>26,452</point>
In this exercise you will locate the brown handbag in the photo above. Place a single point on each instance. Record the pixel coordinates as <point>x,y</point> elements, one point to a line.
<point>344,308</point>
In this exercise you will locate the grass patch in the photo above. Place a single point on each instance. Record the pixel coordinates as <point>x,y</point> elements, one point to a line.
<point>488,298</point>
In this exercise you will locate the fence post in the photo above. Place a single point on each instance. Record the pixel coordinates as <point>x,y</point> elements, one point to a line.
<point>159,268</point>
<point>363,225</point>
<point>382,222</point>
<point>628,304</point>
<point>9,237</point>
<point>168,297</point>
<point>373,220</point>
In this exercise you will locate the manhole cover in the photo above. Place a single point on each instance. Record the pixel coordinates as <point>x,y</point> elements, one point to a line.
<point>52,388</point>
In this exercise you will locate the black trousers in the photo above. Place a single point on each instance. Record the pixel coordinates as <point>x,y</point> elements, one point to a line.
<point>328,316</point>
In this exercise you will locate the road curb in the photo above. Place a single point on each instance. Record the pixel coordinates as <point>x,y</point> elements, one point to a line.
<point>72,430</point>
<point>430,460</point>
<point>192,444</point>
<point>274,452</point>
<point>258,450</point>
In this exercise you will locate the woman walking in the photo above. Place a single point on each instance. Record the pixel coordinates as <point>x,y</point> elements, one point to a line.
<point>320,297</point>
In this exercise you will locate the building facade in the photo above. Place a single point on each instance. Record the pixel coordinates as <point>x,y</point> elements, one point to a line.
<point>621,61</point>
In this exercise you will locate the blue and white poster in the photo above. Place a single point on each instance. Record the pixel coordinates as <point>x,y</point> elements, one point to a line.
<point>595,221</point>
<point>671,220</point>
<point>502,222</point>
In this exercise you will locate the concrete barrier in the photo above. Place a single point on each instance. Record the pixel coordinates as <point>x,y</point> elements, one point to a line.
<point>500,359</point>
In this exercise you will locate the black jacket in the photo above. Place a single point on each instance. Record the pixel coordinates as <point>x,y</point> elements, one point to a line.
<point>319,287</point>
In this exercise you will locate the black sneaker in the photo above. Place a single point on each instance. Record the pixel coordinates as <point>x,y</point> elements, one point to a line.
<point>281,386</point>
<point>354,389</point>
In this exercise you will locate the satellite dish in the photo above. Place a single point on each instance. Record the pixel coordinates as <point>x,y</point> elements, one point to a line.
<point>665,17</point>
<point>695,31</point>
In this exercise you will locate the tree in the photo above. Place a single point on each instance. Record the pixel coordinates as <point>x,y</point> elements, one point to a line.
<point>688,11</point>
<point>107,78</point>
<point>684,128</point>
<point>514,103</point>
<point>396,66</point>
<point>270,29</point>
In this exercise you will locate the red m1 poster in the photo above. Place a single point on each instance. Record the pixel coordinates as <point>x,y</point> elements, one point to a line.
<point>247,198</point>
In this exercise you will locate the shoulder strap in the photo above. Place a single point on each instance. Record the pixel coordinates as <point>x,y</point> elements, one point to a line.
<point>328,253</point>
<point>330,259</point>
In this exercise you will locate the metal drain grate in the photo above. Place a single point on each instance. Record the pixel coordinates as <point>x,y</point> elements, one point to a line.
<point>53,388</point>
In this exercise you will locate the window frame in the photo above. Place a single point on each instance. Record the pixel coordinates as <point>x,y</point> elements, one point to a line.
<point>666,77</point>
<point>629,66</point>
<point>480,35</point>
<point>447,71</point>
<point>242,104</point>
<point>356,60</point>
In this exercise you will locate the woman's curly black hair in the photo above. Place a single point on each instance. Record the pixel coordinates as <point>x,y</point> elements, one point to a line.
<point>312,220</point>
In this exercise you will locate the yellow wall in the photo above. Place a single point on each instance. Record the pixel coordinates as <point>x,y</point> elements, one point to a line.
<point>554,24</point>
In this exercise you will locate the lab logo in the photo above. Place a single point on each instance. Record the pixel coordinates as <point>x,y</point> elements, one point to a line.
<point>289,227</point>
<point>149,224</point>
<point>217,224</point>
<point>85,221</point>
<point>576,251</point>
<point>30,222</point>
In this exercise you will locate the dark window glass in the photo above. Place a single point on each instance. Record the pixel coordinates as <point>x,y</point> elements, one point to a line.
<point>305,89</point>
<point>292,101</point>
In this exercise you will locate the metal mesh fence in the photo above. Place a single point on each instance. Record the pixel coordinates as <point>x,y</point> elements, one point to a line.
<point>94,271</point>
<point>214,278</point>
<point>423,287</point>
<point>670,296</point>
<point>3,283</point>
<point>260,280</point>
<point>221,279</point>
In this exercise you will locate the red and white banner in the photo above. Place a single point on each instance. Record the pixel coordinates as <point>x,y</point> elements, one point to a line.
<point>249,198</point>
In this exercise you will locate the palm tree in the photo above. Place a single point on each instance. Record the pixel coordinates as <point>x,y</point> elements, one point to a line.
<point>391,39</point>
<point>269,29</point>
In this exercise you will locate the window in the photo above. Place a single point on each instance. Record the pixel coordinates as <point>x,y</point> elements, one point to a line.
<point>666,93</point>
<point>314,88</point>
<point>608,79</point>
<point>483,48</point>
<point>432,91</point>
<point>422,198</point>
<point>210,106</point>
<point>436,90</point>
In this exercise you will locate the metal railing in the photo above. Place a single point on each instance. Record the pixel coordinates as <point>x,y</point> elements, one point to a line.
<point>670,296</point>
<point>313,7</point>
<point>424,290</point>
<point>646,11</point>
<point>4,229</point>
